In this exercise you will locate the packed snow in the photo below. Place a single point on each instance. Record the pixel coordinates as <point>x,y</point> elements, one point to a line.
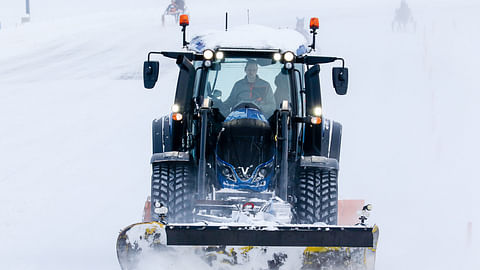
<point>252,36</point>
<point>75,121</point>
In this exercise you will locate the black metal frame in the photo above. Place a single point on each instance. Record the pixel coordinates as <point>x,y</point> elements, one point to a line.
<point>301,236</point>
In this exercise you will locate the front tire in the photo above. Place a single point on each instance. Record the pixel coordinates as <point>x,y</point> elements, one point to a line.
<point>173,186</point>
<point>316,196</point>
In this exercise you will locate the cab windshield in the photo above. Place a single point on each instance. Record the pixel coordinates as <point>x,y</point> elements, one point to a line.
<point>261,83</point>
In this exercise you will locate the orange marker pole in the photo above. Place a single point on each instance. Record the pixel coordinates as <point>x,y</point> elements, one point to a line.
<point>147,214</point>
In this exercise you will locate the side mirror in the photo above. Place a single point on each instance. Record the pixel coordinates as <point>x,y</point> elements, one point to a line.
<point>340,80</point>
<point>150,74</point>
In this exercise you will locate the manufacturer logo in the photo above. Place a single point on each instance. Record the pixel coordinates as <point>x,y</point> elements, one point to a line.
<point>244,170</point>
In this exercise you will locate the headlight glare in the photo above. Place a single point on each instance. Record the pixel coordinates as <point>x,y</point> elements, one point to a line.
<point>219,55</point>
<point>175,108</point>
<point>277,57</point>
<point>208,54</point>
<point>288,56</point>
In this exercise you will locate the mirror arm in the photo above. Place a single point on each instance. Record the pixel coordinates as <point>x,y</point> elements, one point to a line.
<point>313,60</point>
<point>148,58</point>
<point>343,61</point>
<point>190,55</point>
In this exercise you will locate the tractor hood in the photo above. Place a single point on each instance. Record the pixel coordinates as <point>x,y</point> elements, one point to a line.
<point>245,151</point>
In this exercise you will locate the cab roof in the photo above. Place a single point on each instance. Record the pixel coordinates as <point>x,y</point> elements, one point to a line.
<point>251,37</point>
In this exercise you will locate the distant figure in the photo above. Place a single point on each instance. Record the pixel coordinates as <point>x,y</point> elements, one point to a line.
<point>300,27</point>
<point>175,9</point>
<point>403,17</point>
<point>180,4</point>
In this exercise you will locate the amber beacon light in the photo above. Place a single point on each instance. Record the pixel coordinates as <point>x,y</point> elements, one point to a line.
<point>184,20</point>
<point>314,24</point>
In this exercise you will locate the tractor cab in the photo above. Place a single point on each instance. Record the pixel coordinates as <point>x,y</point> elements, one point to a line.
<point>233,81</point>
<point>246,89</point>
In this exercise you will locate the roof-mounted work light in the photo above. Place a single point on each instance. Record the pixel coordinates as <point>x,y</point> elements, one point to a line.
<point>289,56</point>
<point>208,55</point>
<point>219,55</point>
<point>277,57</point>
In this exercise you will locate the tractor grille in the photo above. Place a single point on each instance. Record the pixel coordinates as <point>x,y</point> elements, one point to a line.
<point>244,172</point>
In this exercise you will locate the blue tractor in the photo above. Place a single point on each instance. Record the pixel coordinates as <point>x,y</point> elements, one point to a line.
<point>246,141</point>
<point>245,144</point>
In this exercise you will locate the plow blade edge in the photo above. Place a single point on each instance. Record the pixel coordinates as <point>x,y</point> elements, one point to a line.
<point>318,246</point>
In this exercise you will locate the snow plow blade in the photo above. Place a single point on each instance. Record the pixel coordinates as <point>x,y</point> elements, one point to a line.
<point>294,236</point>
<point>316,246</point>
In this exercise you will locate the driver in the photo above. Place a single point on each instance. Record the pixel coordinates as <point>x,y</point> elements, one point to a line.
<point>252,89</point>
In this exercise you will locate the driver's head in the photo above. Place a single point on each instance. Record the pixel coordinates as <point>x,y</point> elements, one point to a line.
<point>251,69</point>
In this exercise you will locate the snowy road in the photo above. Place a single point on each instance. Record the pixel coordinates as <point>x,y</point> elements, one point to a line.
<point>75,122</point>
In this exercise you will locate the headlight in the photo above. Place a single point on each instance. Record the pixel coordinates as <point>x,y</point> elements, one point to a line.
<point>227,172</point>
<point>208,54</point>
<point>288,56</point>
<point>277,57</point>
<point>175,108</point>
<point>261,174</point>
<point>317,111</point>
<point>219,55</point>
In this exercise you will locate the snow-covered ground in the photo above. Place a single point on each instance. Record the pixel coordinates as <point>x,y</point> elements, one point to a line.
<point>75,122</point>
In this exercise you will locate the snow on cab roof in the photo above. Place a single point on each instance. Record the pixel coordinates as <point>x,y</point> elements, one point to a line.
<point>251,36</point>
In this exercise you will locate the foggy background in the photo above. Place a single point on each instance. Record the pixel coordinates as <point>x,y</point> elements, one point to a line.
<point>75,121</point>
